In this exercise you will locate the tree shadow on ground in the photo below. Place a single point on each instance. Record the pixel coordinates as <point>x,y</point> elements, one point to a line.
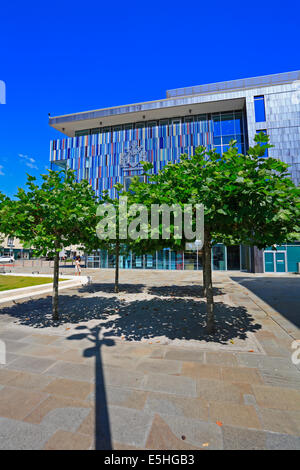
<point>109,287</point>
<point>181,291</point>
<point>102,430</point>
<point>73,309</point>
<point>173,319</point>
<point>181,319</point>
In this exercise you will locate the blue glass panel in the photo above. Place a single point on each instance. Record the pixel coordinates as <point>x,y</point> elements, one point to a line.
<point>259,106</point>
<point>150,261</point>
<point>137,261</point>
<point>238,123</point>
<point>176,260</point>
<point>163,259</point>
<point>266,154</point>
<point>218,255</point>
<point>241,148</point>
<point>227,124</point>
<point>217,140</point>
<point>216,125</point>
<point>228,138</point>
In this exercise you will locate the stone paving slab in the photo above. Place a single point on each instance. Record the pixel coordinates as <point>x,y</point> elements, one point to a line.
<point>74,385</point>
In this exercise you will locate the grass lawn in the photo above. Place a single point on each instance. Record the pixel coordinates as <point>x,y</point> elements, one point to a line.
<point>16,282</point>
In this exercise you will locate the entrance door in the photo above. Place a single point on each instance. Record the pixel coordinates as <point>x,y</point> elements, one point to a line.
<point>269,262</point>
<point>233,257</point>
<point>280,262</point>
<point>275,261</point>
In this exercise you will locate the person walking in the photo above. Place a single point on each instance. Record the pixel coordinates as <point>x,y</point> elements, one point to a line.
<point>77,266</point>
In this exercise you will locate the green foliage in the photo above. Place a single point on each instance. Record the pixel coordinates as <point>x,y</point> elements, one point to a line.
<point>247,199</point>
<point>56,214</point>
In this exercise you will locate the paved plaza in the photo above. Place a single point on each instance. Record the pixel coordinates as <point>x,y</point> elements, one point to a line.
<point>136,370</point>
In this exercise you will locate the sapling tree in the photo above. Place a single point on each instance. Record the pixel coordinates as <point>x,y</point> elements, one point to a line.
<point>55,214</point>
<point>247,199</point>
<point>113,228</point>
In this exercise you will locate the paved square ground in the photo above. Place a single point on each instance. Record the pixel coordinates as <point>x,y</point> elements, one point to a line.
<point>135,370</point>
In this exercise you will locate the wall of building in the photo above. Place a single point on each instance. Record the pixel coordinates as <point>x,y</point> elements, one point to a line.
<point>97,157</point>
<point>282,124</point>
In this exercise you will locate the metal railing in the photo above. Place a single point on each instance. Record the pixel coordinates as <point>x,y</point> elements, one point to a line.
<point>240,84</point>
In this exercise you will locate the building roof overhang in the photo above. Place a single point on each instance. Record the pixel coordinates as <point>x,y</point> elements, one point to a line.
<point>202,99</point>
<point>151,110</point>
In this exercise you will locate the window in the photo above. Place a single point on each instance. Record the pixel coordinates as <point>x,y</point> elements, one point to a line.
<point>140,125</point>
<point>128,127</point>
<point>96,130</point>
<point>259,107</point>
<point>217,125</point>
<point>227,138</point>
<point>238,124</point>
<point>83,132</point>
<point>189,119</point>
<point>266,154</point>
<point>128,179</point>
<point>217,140</point>
<point>117,128</point>
<point>10,241</point>
<point>227,123</point>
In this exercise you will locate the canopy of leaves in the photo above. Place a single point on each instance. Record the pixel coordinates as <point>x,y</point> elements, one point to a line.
<point>247,199</point>
<point>58,213</point>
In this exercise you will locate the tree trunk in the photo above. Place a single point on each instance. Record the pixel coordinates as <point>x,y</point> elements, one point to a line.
<point>55,316</point>
<point>208,282</point>
<point>204,273</point>
<point>117,267</point>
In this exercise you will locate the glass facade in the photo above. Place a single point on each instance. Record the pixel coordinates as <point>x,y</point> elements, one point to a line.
<point>284,259</point>
<point>96,154</point>
<point>165,259</point>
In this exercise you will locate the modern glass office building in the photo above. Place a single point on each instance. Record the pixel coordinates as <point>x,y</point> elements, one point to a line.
<point>105,147</point>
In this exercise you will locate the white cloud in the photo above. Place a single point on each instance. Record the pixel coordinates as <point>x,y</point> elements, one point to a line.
<point>1,172</point>
<point>29,161</point>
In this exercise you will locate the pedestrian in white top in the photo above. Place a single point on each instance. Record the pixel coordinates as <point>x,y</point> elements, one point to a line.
<point>77,266</point>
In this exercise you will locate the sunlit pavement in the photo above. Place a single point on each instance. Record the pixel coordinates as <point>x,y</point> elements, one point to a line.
<point>135,370</point>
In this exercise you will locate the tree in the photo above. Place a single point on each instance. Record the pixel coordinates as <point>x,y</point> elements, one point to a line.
<point>247,199</point>
<point>111,222</point>
<point>58,213</point>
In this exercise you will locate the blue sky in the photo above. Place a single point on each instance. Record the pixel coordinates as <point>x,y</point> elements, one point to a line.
<point>61,57</point>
